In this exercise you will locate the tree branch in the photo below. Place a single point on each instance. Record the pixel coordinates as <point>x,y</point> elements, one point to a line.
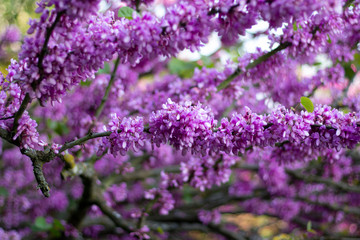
<point>92,195</point>
<point>43,52</point>
<point>327,181</point>
<point>83,139</point>
<point>38,158</point>
<point>113,215</point>
<point>139,175</point>
<point>310,179</point>
<point>85,202</point>
<point>20,112</point>
<point>190,222</point>
<point>108,88</point>
<point>40,178</point>
<point>333,207</point>
<point>253,64</point>
<point>34,84</point>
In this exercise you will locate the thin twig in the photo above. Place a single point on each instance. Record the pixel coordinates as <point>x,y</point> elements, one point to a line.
<point>297,174</point>
<point>83,139</point>
<point>253,64</point>
<point>44,49</point>
<point>146,211</point>
<point>315,179</point>
<point>181,220</point>
<point>113,215</point>
<point>34,84</point>
<point>139,175</point>
<point>108,88</point>
<point>6,118</point>
<point>333,207</point>
<point>20,112</point>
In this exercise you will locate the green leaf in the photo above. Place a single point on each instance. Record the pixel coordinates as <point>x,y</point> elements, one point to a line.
<point>308,226</point>
<point>349,72</point>
<point>58,225</point>
<point>41,225</point>
<point>207,62</point>
<point>187,197</point>
<point>295,27</point>
<point>126,12</point>
<point>86,83</point>
<point>182,68</point>
<point>105,69</point>
<point>329,39</point>
<point>4,192</point>
<point>160,230</point>
<point>307,104</point>
<point>58,127</point>
<point>57,228</point>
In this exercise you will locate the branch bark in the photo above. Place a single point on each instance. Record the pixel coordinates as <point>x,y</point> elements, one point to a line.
<point>108,88</point>
<point>27,100</point>
<point>253,64</point>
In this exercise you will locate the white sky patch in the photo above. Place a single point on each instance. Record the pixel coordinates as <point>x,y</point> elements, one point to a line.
<point>262,42</point>
<point>159,10</point>
<point>250,44</point>
<point>308,71</point>
<point>324,60</point>
<point>103,6</point>
<point>212,46</point>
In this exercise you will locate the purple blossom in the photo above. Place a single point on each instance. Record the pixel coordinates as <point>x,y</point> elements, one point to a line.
<point>9,235</point>
<point>126,134</point>
<point>164,200</point>
<point>186,127</point>
<point>141,233</point>
<point>28,133</point>
<point>12,34</point>
<point>118,192</point>
<point>207,217</point>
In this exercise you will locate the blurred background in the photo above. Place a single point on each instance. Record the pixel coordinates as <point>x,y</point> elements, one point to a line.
<point>14,18</point>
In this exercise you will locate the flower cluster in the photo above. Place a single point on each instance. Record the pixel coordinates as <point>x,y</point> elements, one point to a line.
<point>234,17</point>
<point>10,35</point>
<point>240,132</point>
<point>27,132</point>
<point>70,60</point>
<point>10,101</point>
<point>185,126</point>
<point>189,127</point>
<point>164,200</point>
<point>126,133</point>
<point>74,9</point>
<point>205,172</point>
<point>13,235</point>
<point>207,217</point>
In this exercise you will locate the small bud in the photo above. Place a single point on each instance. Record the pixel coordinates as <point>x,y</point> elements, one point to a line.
<point>69,160</point>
